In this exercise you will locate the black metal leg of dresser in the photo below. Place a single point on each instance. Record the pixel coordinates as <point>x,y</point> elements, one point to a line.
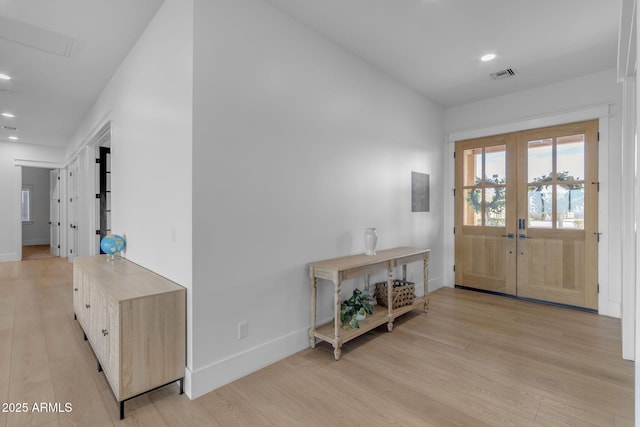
<point>99,366</point>
<point>122,410</point>
<point>182,385</point>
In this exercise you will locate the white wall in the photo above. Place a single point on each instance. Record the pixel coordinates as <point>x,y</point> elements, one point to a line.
<point>560,99</point>
<point>149,103</point>
<point>37,232</point>
<point>298,146</point>
<point>10,184</point>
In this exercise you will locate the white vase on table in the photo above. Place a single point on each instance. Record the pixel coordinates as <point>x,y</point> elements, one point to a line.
<point>370,240</point>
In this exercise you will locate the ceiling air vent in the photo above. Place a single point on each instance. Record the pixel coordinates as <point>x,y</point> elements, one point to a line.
<point>504,74</point>
<point>10,128</point>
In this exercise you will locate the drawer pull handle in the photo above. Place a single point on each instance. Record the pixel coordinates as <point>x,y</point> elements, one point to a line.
<point>75,289</point>
<point>105,332</point>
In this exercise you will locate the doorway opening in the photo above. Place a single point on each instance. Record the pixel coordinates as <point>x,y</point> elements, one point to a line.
<point>40,210</point>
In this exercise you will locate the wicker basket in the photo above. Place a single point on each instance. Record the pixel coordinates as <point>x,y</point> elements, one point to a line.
<point>403,293</point>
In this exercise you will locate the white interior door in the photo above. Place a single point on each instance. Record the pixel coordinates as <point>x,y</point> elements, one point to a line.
<point>54,211</point>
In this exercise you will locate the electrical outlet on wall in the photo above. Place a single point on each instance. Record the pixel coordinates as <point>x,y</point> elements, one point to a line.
<point>243,330</point>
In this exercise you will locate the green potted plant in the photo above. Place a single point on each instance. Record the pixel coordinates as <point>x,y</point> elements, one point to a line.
<point>353,309</point>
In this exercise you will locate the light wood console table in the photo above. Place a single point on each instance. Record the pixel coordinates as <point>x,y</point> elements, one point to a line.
<point>340,269</point>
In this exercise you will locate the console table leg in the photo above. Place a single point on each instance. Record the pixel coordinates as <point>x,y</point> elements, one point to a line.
<point>425,270</point>
<point>337,351</point>
<point>314,296</point>
<point>390,298</point>
<point>337,342</point>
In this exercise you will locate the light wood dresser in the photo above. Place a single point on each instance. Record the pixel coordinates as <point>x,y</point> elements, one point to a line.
<point>337,270</point>
<point>135,321</point>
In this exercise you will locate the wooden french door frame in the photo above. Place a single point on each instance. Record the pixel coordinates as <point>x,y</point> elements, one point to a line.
<point>520,256</point>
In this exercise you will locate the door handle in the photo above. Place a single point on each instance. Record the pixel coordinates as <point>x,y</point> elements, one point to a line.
<point>523,236</point>
<point>522,224</point>
<point>508,235</point>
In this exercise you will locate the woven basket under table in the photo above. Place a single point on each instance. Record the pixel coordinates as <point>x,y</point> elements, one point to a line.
<point>403,293</point>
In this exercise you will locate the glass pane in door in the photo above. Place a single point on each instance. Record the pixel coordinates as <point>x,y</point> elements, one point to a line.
<point>472,210</point>
<point>570,203</point>
<point>472,163</point>
<point>540,202</point>
<point>570,158</point>
<point>495,164</point>
<point>540,160</point>
<point>495,206</point>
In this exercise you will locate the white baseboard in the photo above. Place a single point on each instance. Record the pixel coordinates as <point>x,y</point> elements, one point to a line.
<point>9,257</point>
<point>217,374</point>
<point>609,308</point>
<point>33,242</point>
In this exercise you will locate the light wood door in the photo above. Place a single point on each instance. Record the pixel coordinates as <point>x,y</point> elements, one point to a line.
<point>485,214</point>
<point>558,214</point>
<point>526,214</point>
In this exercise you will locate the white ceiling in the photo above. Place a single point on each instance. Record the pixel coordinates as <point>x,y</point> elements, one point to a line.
<point>433,46</point>
<point>60,55</point>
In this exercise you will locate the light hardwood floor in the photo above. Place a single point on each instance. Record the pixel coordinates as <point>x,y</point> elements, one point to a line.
<point>473,360</point>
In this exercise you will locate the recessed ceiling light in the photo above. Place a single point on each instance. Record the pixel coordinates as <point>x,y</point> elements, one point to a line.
<point>4,77</point>
<point>488,57</point>
<point>8,115</point>
<point>14,138</point>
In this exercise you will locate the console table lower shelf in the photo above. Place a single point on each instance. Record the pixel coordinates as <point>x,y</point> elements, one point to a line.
<point>337,270</point>
<point>379,317</point>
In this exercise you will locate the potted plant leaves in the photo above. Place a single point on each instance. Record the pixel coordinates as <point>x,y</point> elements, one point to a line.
<point>353,309</point>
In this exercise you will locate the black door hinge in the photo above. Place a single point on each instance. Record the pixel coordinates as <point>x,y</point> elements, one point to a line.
<point>598,136</point>
<point>97,232</point>
<point>598,184</point>
<point>454,268</point>
<point>58,246</point>
<point>598,236</point>
<point>58,178</point>
<point>454,192</point>
<point>454,154</point>
<point>454,230</point>
<point>97,160</point>
<point>97,196</point>
<point>598,287</point>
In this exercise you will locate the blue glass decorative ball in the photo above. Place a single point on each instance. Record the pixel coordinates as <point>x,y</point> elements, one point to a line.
<point>112,244</point>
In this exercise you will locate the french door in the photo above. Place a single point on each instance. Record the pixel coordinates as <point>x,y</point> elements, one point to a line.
<point>526,214</point>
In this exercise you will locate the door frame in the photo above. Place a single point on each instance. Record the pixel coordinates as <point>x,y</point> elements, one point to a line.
<point>608,303</point>
<point>19,164</point>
